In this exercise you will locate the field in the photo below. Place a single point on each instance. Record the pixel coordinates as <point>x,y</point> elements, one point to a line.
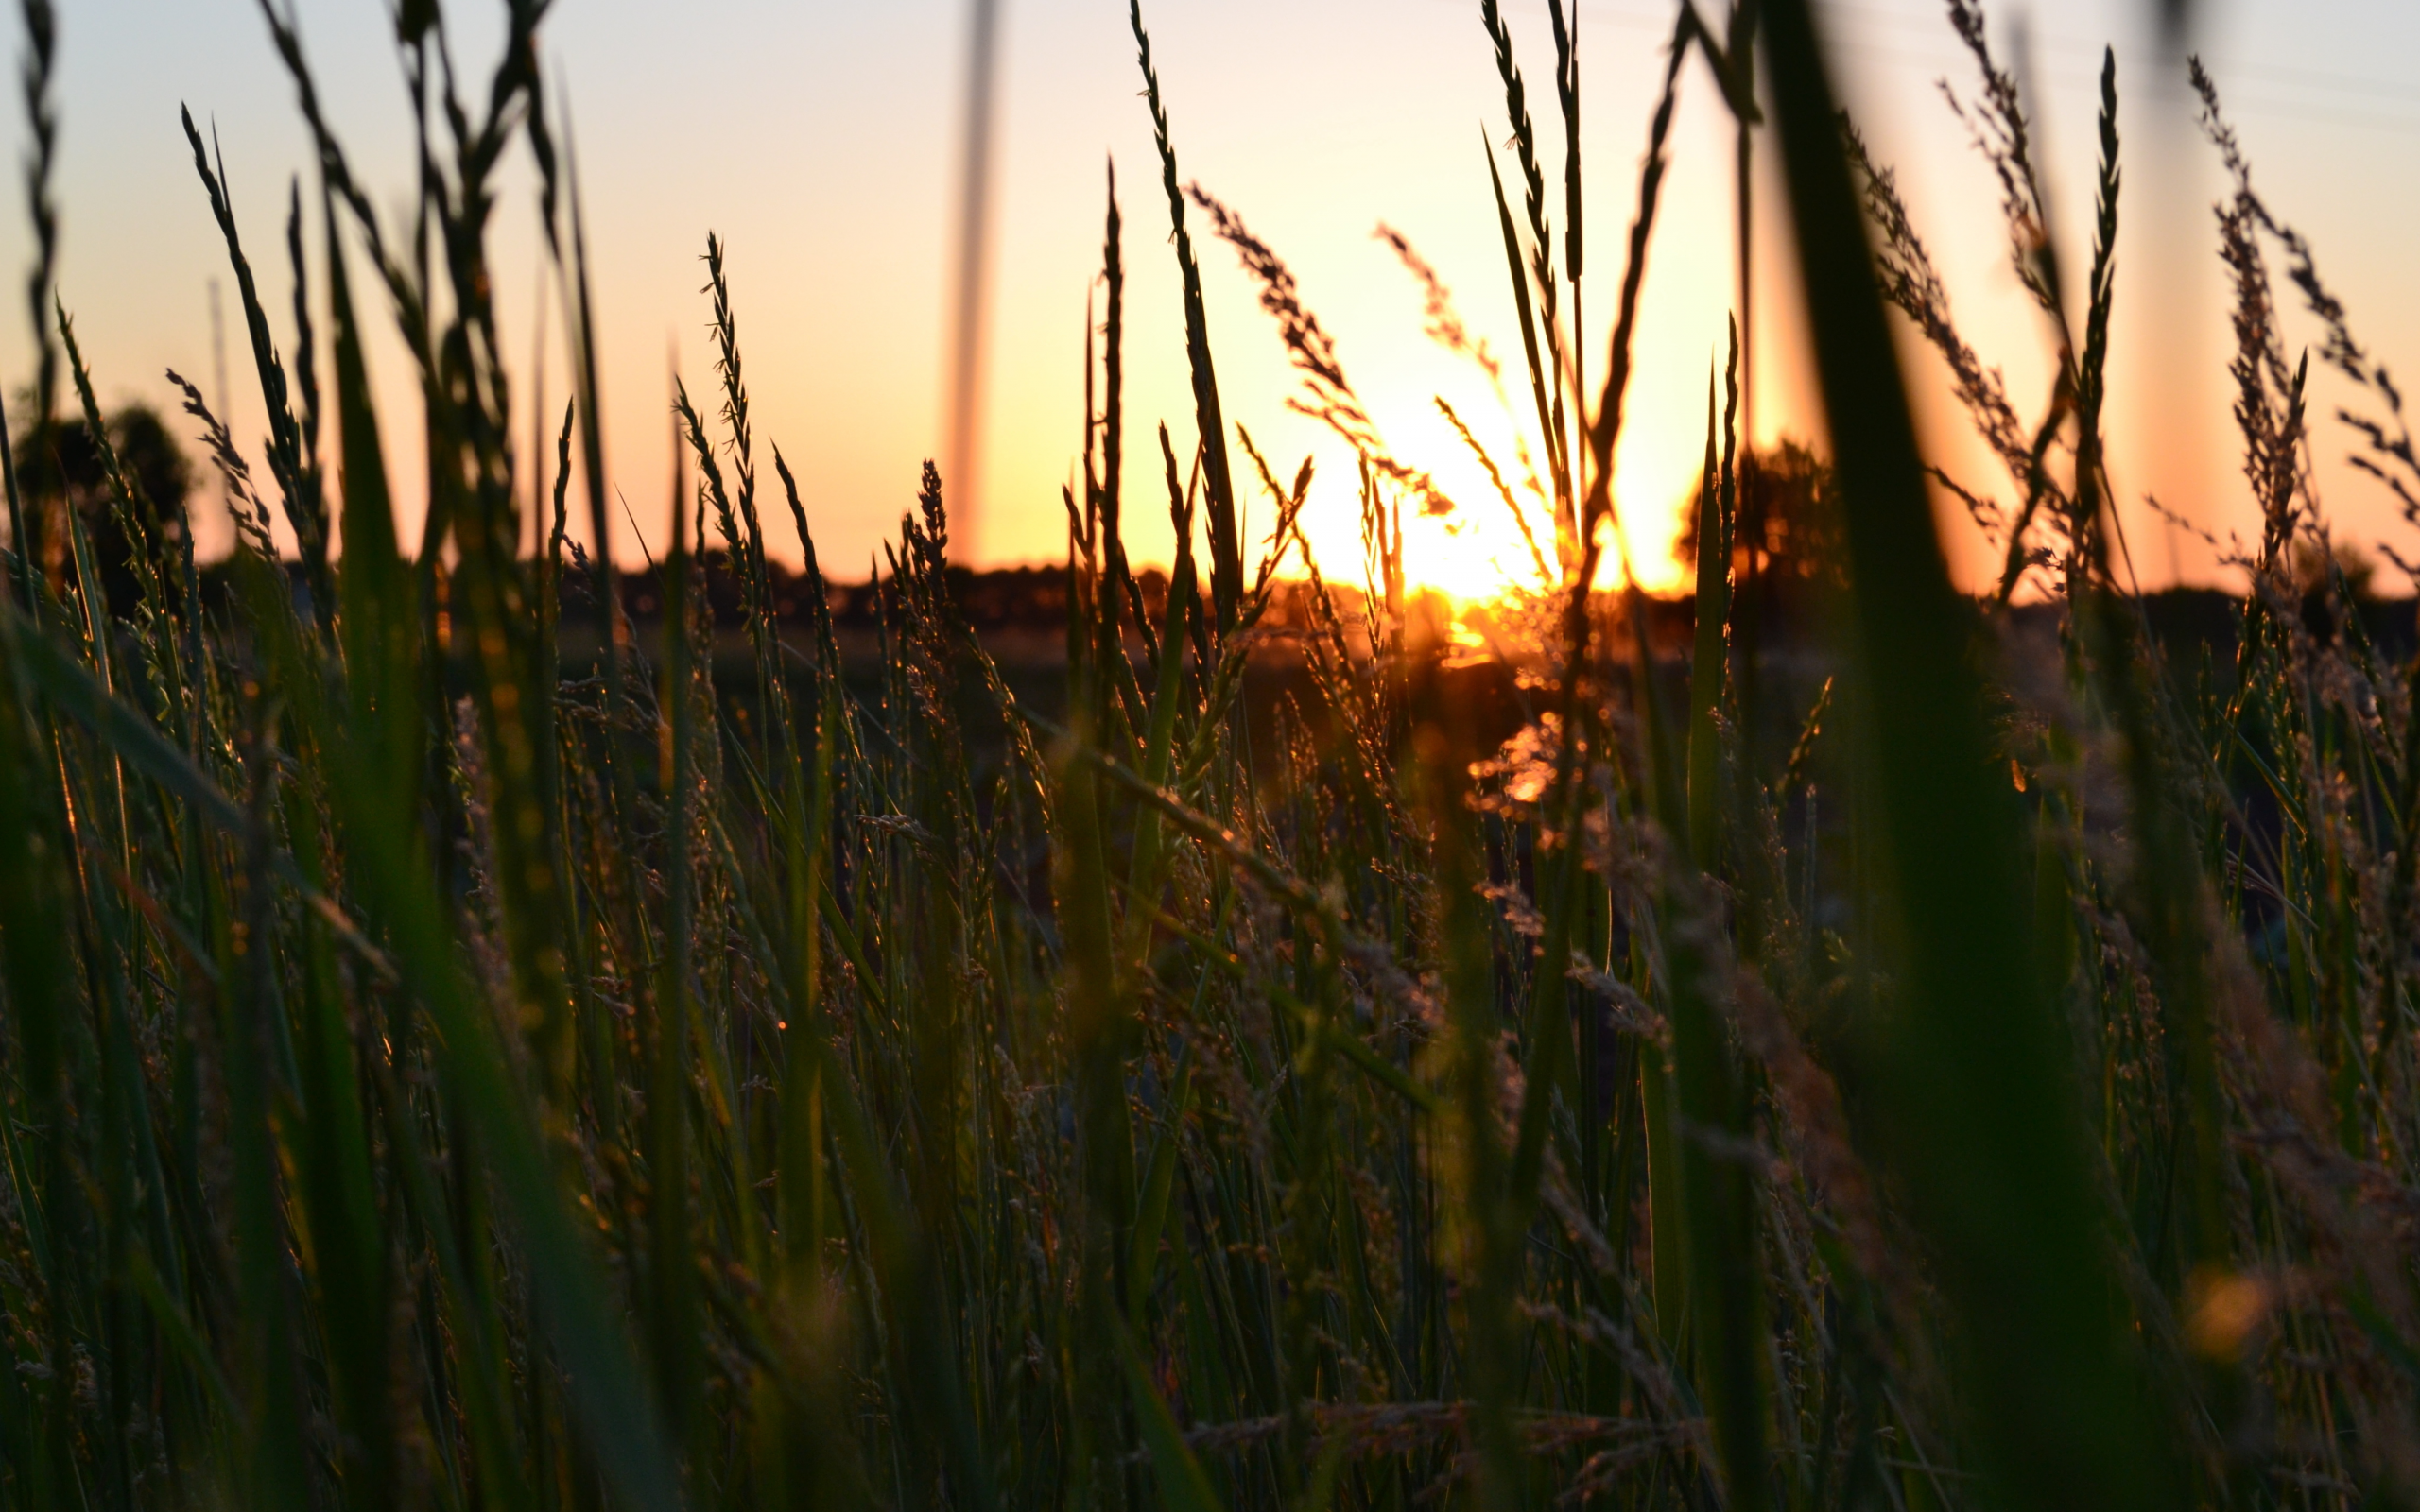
<point>479,1033</point>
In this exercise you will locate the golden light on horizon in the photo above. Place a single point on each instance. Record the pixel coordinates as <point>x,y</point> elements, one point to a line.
<point>1475,551</point>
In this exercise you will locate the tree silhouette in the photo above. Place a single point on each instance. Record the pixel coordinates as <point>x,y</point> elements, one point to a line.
<point>1787,530</point>
<point>58,464</point>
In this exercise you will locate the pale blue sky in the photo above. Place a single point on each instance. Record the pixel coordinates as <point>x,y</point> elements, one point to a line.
<point>818,137</point>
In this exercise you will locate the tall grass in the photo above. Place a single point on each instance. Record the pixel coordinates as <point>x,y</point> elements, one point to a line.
<point>470,1044</point>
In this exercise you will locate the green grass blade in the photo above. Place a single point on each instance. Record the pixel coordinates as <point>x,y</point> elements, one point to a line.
<point>1975,1107</point>
<point>1183,1485</point>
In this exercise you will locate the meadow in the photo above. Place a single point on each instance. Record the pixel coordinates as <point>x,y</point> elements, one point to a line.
<point>473,1037</point>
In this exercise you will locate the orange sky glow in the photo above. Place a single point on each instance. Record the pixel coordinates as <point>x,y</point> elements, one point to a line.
<point>818,141</point>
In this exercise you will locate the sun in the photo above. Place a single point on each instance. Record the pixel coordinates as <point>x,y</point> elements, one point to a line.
<point>1486,547</point>
<point>1475,558</point>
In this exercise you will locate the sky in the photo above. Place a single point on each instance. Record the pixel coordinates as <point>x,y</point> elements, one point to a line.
<point>820,140</point>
